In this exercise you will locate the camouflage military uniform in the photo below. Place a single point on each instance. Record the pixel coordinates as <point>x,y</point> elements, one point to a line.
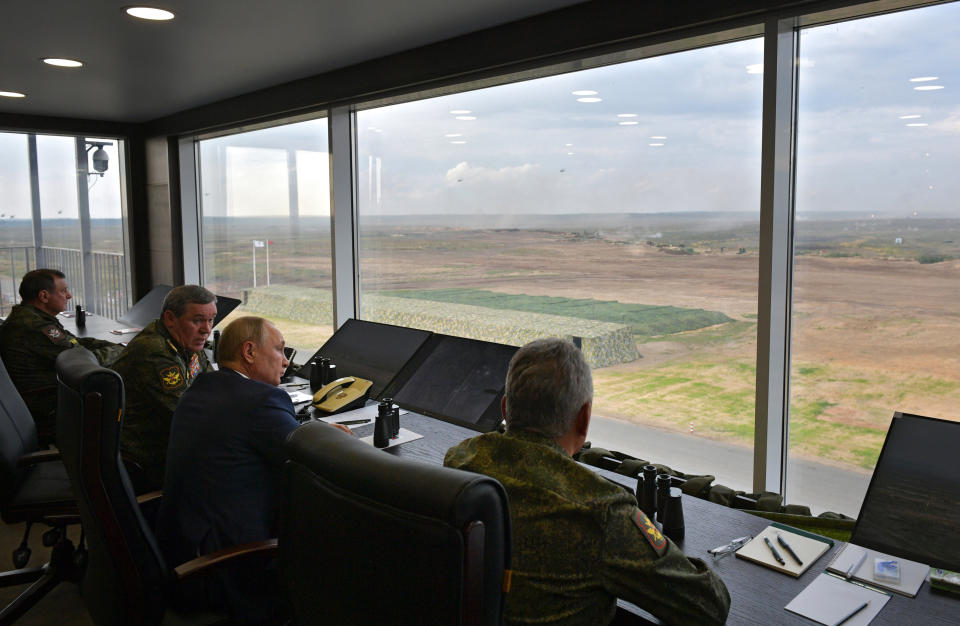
<point>155,371</point>
<point>30,340</point>
<point>580,542</point>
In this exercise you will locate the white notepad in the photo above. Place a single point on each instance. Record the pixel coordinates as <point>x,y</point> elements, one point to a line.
<point>912,574</point>
<point>405,436</point>
<point>828,599</point>
<point>807,546</point>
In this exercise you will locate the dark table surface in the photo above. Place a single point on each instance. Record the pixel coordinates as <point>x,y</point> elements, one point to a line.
<point>96,326</point>
<point>758,594</point>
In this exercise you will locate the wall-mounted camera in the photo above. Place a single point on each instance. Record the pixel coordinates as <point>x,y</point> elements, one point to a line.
<point>100,158</point>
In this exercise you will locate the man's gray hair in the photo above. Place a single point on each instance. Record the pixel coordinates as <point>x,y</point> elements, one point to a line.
<point>547,384</point>
<point>179,297</point>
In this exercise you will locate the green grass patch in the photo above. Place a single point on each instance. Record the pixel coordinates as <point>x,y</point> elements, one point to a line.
<point>644,320</point>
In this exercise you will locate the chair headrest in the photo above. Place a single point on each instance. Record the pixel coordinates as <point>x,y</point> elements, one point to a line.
<point>405,484</point>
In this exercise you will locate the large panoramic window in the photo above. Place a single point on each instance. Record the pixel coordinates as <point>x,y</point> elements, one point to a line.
<point>617,206</point>
<point>64,209</point>
<point>876,300</point>
<point>265,203</point>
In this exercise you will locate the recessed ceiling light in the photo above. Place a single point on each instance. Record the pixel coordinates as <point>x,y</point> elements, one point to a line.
<point>460,112</point>
<point>12,94</point>
<point>569,154</point>
<point>626,114</point>
<point>149,13</point>
<point>923,79</point>
<point>918,124</point>
<point>658,137</point>
<point>909,117</point>
<point>589,99</point>
<point>568,145</point>
<point>458,141</point>
<point>454,135</point>
<point>584,92</point>
<point>656,145</point>
<point>928,87</point>
<point>62,62</point>
<point>629,123</point>
<point>465,118</point>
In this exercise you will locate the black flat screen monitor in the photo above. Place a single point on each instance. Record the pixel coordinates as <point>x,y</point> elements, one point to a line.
<point>370,350</point>
<point>457,380</point>
<point>147,308</point>
<point>225,306</point>
<point>912,506</point>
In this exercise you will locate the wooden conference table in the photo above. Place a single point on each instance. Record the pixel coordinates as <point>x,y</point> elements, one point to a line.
<point>757,594</point>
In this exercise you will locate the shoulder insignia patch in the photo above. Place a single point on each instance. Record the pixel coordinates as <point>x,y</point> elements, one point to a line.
<point>53,333</point>
<point>649,530</point>
<point>171,377</point>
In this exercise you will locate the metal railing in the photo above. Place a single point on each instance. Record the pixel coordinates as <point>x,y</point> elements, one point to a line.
<point>110,289</point>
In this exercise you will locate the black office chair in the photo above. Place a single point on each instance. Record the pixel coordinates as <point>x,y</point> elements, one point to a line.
<point>127,580</point>
<point>367,537</point>
<point>34,488</point>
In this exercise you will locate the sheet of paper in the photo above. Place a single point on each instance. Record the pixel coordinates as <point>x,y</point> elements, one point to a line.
<point>368,413</point>
<point>297,396</point>
<point>828,599</point>
<point>405,436</point>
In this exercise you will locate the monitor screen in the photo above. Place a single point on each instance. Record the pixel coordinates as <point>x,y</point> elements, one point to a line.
<point>913,503</point>
<point>370,350</point>
<point>457,380</point>
<point>225,306</point>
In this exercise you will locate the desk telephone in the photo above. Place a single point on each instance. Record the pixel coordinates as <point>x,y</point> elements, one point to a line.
<point>342,394</point>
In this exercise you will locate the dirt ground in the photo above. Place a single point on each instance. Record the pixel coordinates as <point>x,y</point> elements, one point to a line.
<point>869,322</point>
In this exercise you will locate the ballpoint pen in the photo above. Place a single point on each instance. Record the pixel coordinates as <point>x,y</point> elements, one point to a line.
<point>776,554</point>
<point>853,612</point>
<point>855,566</point>
<point>786,546</point>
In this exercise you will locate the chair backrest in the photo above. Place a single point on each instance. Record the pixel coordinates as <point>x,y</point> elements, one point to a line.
<point>126,578</point>
<point>18,435</point>
<point>369,537</point>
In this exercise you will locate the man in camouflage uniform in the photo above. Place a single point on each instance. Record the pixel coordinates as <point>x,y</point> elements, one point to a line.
<point>580,541</point>
<point>157,367</point>
<point>32,337</point>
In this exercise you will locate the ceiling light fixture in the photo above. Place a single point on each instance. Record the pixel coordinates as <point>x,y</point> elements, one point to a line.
<point>658,137</point>
<point>149,13</point>
<point>629,123</point>
<point>656,145</point>
<point>928,87</point>
<point>589,99</point>
<point>460,112</point>
<point>62,62</point>
<point>923,79</point>
<point>465,118</point>
<point>918,124</point>
<point>12,94</point>
<point>584,92</point>
<point>626,114</point>
<point>909,117</point>
<point>458,142</point>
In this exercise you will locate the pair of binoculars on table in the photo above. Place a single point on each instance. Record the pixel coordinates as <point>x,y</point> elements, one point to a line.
<point>387,425</point>
<point>322,372</point>
<point>661,501</point>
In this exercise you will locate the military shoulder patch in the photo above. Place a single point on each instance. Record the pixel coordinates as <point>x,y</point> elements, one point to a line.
<point>649,530</point>
<point>171,377</point>
<point>53,333</point>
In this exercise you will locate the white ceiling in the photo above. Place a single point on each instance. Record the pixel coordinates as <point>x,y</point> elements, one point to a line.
<point>137,71</point>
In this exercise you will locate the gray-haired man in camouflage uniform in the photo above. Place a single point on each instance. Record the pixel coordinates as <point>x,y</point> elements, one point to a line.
<point>32,337</point>
<point>580,542</point>
<point>157,367</point>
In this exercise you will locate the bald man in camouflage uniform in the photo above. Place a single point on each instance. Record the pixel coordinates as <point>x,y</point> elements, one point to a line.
<point>157,367</point>
<point>580,542</point>
<point>32,337</point>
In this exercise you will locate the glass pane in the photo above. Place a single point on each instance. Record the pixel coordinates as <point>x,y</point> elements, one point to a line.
<point>98,280</point>
<point>876,288</point>
<point>618,206</point>
<point>265,202</point>
<point>16,233</point>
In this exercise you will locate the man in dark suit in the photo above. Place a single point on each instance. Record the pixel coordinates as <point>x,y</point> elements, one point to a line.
<point>222,481</point>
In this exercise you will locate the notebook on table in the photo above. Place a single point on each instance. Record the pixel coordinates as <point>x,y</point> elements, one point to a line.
<point>807,547</point>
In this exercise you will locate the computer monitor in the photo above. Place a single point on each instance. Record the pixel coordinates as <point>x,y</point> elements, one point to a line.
<point>369,350</point>
<point>225,306</point>
<point>147,308</point>
<point>457,380</point>
<point>912,505</point>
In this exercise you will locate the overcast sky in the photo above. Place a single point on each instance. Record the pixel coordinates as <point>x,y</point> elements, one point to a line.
<point>533,148</point>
